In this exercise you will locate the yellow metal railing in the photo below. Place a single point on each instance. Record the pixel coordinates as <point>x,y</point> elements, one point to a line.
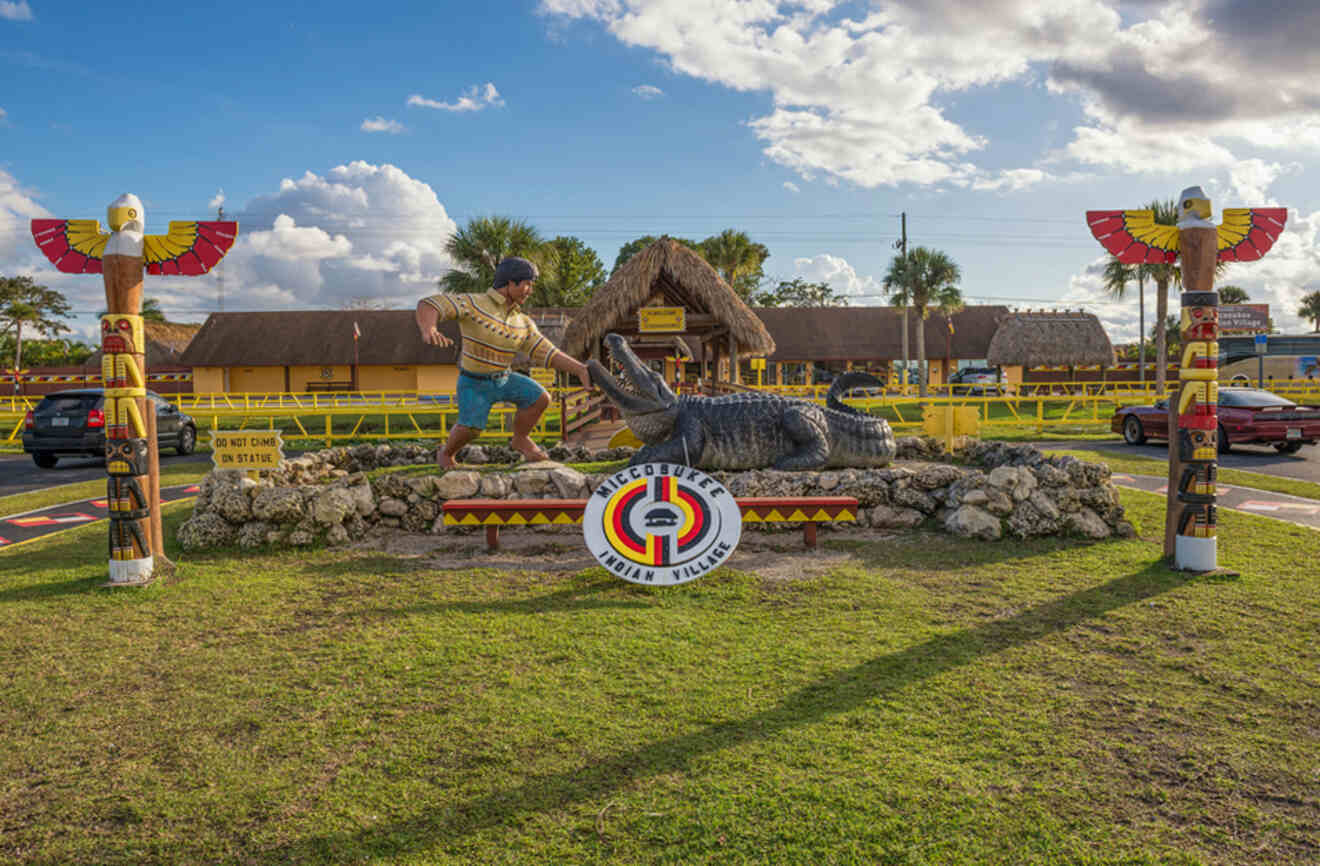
<point>365,415</point>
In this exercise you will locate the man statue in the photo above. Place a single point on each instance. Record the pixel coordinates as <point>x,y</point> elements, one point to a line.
<point>494,329</point>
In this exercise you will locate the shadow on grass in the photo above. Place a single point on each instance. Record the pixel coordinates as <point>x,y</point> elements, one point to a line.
<point>840,692</point>
<point>934,550</point>
<point>55,589</point>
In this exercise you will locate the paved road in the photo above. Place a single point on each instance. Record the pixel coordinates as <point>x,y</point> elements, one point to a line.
<point>15,529</point>
<point>1304,465</point>
<point>1265,503</point>
<point>18,474</point>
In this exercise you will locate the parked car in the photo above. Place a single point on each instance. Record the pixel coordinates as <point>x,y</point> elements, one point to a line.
<point>72,423</point>
<point>1246,416</point>
<point>975,381</point>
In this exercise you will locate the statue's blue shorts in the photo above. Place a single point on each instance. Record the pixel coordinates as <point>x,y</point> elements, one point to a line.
<point>478,392</point>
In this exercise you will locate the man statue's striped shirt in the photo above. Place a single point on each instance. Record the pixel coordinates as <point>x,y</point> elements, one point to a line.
<point>493,330</point>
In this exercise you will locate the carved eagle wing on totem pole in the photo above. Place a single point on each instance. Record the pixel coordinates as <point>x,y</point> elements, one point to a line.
<point>1135,238</point>
<point>188,249</point>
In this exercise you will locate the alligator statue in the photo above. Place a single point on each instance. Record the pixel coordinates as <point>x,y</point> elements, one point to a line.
<point>742,431</point>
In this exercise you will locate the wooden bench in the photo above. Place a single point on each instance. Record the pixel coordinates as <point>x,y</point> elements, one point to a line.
<point>329,386</point>
<point>496,513</point>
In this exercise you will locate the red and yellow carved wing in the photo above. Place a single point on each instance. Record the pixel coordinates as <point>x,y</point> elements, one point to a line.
<point>1133,236</point>
<point>73,246</point>
<point>190,248</point>
<point>1247,233</point>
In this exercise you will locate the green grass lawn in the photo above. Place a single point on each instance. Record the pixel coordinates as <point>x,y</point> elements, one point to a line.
<point>928,700</point>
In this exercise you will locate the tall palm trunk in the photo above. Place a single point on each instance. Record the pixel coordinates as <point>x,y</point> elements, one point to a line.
<point>18,354</point>
<point>1161,338</point>
<point>921,349</point>
<point>904,380</point>
<point>1141,325</point>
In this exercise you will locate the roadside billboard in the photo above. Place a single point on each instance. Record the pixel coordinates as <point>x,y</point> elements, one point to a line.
<point>1244,319</point>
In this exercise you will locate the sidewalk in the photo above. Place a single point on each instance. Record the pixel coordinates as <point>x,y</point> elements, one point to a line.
<point>1263,503</point>
<point>17,529</point>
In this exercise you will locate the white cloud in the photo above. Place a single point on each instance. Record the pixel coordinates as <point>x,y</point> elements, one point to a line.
<point>792,187</point>
<point>217,200</point>
<point>842,277</point>
<point>3,115</point>
<point>1163,87</point>
<point>17,208</point>
<point>12,11</point>
<point>648,91</point>
<point>359,230</point>
<point>475,98</point>
<point>380,124</point>
<point>1011,180</point>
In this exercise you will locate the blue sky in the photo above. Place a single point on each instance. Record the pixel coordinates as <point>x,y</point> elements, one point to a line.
<point>350,143</point>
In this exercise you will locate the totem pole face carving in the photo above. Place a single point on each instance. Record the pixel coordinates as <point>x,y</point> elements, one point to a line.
<point>1200,323</point>
<point>125,498</point>
<point>1197,483</point>
<point>122,333</point>
<point>126,457</point>
<point>1197,445</point>
<point>1197,520</point>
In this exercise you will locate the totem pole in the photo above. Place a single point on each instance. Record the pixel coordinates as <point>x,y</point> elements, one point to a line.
<point>132,459</point>
<point>1245,235</point>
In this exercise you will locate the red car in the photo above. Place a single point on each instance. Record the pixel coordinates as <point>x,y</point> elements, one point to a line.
<point>1246,416</point>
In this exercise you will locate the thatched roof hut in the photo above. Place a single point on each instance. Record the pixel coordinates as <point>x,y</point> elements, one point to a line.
<point>667,274</point>
<point>166,342</point>
<point>1048,339</point>
<point>876,333</point>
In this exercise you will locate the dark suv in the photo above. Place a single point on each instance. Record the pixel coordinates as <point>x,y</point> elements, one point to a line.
<point>72,423</point>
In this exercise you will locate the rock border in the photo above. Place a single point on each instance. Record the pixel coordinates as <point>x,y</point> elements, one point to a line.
<point>984,490</point>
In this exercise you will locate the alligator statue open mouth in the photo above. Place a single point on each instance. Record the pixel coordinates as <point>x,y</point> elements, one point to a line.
<point>747,430</point>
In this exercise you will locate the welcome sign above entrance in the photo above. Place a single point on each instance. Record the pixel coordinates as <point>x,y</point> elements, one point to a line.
<point>652,320</point>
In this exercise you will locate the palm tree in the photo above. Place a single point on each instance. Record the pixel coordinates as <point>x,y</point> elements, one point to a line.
<point>922,279</point>
<point>480,245</point>
<point>737,258</point>
<point>1233,295</point>
<point>948,302</point>
<point>1310,309</point>
<point>1116,277</point>
<point>1164,275</point>
<point>1172,332</point>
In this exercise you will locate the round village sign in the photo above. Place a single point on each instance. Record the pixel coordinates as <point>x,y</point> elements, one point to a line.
<point>661,524</point>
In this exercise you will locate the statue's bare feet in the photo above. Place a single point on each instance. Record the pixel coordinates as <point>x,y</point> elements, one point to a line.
<point>529,449</point>
<point>445,460</point>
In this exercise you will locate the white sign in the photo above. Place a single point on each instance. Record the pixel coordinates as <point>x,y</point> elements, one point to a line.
<point>660,524</point>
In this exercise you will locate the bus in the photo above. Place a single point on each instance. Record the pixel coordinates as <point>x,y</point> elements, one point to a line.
<point>1287,359</point>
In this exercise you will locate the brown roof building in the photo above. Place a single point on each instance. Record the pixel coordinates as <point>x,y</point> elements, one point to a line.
<point>314,349</point>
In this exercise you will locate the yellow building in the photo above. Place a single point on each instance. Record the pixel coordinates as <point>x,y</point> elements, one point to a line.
<point>316,350</point>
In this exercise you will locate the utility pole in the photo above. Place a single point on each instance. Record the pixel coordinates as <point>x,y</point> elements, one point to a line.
<point>219,271</point>
<point>902,245</point>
